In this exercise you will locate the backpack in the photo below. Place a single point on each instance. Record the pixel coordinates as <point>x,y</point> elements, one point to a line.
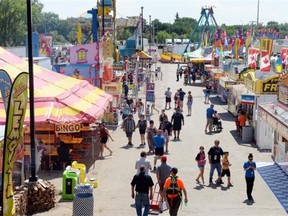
<point>173,187</point>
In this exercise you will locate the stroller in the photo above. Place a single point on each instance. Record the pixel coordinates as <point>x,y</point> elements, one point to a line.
<point>217,125</point>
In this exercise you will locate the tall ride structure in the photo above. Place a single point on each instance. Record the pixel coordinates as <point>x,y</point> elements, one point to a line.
<point>206,23</point>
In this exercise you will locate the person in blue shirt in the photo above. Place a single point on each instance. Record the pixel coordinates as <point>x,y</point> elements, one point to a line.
<point>158,142</point>
<point>249,168</point>
<point>209,117</point>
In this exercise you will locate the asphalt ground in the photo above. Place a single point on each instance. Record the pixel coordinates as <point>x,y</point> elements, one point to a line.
<point>113,196</point>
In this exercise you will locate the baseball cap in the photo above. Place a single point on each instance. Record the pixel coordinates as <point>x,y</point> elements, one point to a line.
<point>163,158</point>
<point>174,170</point>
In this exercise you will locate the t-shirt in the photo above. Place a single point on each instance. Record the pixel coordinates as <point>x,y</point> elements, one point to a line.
<point>201,158</point>
<point>180,184</point>
<point>208,88</point>
<point>249,172</point>
<point>242,120</point>
<point>177,118</point>
<point>168,94</point>
<point>181,95</point>
<point>142,161</point>
<point>163,171</point>
<point>142,182</point>
<point>209,112</point>
<point>158,141</point>
<point>142,124</point>
<point>215,153</point>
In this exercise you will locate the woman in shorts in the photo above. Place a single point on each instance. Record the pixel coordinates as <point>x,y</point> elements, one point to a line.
<point>142,125</point>
<point>201,161</point>
<point>104,135</point>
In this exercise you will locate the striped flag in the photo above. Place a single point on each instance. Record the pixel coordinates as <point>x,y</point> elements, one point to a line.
<point>264,61</point>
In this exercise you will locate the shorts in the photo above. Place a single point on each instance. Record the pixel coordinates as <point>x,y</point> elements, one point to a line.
<point>210,121</point>
<point>159,151</point>
<point>207,94</point>
<point>124,116</point>
<point>168,100</point>
<point>142,131</point>
<point>104,140</point>
<point>129,133</point>
<point>200,166</point>
<point>177,127</point>
<point>226,172</point>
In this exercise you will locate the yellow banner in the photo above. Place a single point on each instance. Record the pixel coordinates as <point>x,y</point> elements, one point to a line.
<point>13,132</point>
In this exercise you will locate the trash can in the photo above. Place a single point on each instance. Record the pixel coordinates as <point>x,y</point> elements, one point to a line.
<point>247,134</point>
<point>69,180</point>
<point>83,204</point>
<point>87,188</point>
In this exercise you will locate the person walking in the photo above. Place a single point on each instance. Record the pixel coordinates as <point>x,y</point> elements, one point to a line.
<point>189,103</point>
<point>168,95</point>
<point>129,127</point>
<point>225,168</point>
<point>162,173</point>
<point>181,97</point>
<point>249,168</point>
<point>161,117</point>
<point>142,184</point>
<point>151,131</point>
<point>143,161</point>
<point>177,121</point>
<point>173,188</point>
<point>104,135</point>
<point>125,110</point>
<point>214,155</point>
<point>167,126</point>
<point>207,92</point>
<point>158,142</point>
<point>201,161</point>
<point>142,125</point>
<point>209,117</point>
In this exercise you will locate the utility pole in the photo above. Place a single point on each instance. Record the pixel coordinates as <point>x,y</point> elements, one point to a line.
<point>103,25</point>
<point>150,36</point>
<point>142,23</point>
<point>257,14</point>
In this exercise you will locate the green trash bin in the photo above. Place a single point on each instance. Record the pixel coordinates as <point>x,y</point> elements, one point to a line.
<point>69,180</point>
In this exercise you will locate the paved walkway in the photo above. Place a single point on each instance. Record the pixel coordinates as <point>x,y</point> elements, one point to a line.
<point>113,196</point>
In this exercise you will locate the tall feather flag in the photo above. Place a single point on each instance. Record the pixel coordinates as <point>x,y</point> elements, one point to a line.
<point>79,34</point>
<point>284,55</point>
<point>236,48</point>
<point>278,65</point>
<point>264,61</point>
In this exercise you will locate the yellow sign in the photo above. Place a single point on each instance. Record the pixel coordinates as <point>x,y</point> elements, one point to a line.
<point>67,128</point>
<point>13,132</point>
<point>249,81</point>
<point>270,85</point>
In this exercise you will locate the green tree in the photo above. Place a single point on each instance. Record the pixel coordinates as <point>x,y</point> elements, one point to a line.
<point>162,36</point>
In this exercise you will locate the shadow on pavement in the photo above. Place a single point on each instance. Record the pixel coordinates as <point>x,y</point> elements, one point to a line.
<point>199,187</point>
<point>227,116</point>
<point>216,101</point>
<point>249,202</point>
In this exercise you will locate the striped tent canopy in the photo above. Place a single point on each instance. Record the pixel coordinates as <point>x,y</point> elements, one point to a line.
<point>57,98</point>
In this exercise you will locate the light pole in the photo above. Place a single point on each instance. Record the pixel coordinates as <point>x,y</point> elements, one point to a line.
<point>257,14</point>
<point>142,28</point>
<point>150,37</point>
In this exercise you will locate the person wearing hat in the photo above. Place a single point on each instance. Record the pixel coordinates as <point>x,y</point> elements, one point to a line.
<point>249,168</point>
<point>142,183</point>
<point>162,173</point>
<point>209,117</point>
<point>173,188</point>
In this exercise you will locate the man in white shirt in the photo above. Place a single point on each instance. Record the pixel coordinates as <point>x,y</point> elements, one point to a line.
<point>143,161</point>
<point>168,95</point>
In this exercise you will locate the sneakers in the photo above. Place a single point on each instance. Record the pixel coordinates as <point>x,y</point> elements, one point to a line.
<point>154,169</point>
<point>229,185</point>
<point>141,145</point>
<point>198,182</point>
<point>130,144</point>
<point>210,180</point>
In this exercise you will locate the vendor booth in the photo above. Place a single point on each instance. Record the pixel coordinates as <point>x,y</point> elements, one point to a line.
<point>224,88</point>
<point>58,100</point>
<point>274,118</point>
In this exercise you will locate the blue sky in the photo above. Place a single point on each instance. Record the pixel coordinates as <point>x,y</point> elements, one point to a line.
<point>225,11</point>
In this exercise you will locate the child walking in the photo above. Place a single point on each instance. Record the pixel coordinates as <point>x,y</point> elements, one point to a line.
<point>225,168</point>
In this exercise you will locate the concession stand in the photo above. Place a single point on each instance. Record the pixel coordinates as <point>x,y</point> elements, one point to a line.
<point>274,118</point>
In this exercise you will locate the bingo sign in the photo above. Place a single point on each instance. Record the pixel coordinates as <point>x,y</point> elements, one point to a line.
<point>150,92</point>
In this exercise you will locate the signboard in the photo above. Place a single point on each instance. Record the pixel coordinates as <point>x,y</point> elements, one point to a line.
<point>112,88</point>
<point>67,128</point>
<point>150,96</point>
<point>118,67</point>
<point>249,81</point>
<point>270,85</point>
<point>283,94</point>
<point>247,99</point>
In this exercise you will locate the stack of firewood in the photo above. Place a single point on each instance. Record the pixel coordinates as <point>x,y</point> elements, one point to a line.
<point>41,196</point>
<point>20,197</point>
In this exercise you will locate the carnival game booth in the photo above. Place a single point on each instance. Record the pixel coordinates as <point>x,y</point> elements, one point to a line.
<point>273,120</point>
<point>60,102</point>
